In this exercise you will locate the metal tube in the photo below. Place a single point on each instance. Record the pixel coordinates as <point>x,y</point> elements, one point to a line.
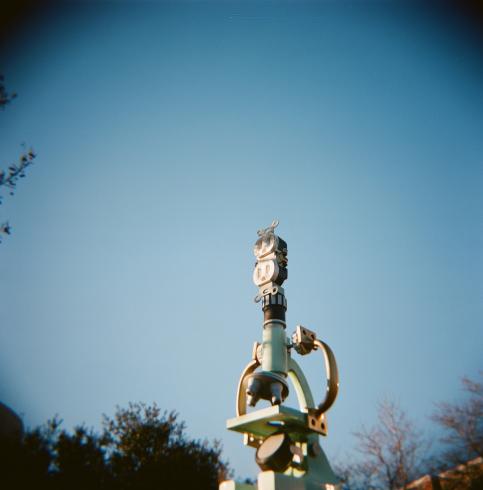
<point>274,345</point>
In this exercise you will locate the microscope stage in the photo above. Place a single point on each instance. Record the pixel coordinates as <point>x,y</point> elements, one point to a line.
<point>270,420</point>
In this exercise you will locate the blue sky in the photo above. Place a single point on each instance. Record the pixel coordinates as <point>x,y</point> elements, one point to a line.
<point>169,132</point>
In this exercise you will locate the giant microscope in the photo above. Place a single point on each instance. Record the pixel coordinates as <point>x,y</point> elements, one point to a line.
<point>286,440</point>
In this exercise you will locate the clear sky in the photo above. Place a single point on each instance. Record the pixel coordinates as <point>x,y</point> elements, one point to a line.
<point>168,133</point>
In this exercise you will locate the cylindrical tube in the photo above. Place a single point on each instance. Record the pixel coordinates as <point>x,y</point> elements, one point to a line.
<point>274,345</point>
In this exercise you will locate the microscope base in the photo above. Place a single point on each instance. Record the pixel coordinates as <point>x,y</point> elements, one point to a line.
<point>269,480</point>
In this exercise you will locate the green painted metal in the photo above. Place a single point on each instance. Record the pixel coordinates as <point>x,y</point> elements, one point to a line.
<point>234,485</point>
<point>268,480</point>
<point>301,385</point>
<point>267,421</point>
<point>319,472</point>
<point>274,345</point>
<point>309,468</point>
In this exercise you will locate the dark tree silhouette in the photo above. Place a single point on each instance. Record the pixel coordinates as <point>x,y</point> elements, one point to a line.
<point>26,463</point>
<point>15,171</point>
<point>5,97</point>
<point>139,448</point>
<point>147,449</point>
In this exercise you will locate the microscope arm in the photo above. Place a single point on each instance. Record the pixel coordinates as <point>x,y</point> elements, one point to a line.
<point>316,419</point>
<point>301,385</point>
<point>304,342</point>
<point>332,376</point>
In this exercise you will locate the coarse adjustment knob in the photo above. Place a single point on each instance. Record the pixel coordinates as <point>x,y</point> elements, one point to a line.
<point>275,453</point>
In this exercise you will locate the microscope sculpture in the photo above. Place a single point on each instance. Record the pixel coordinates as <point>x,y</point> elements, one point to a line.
<point>286,439</point>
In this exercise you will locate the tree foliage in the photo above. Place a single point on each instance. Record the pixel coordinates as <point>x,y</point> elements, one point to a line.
<point>5,96</point>
<point>139,448</point>
<point>15,171</point>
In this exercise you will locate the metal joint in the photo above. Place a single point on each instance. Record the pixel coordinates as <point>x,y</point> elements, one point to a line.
<point>303,340</point>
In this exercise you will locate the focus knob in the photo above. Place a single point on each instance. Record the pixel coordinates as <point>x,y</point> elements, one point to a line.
<point>274,453</point>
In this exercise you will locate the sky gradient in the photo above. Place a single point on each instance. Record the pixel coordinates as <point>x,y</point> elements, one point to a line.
<point>167,133</point>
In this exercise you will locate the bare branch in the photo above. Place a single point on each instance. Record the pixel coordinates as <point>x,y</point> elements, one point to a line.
<point>15,171</point>
<point>392,452</point>
<point>463,424</point>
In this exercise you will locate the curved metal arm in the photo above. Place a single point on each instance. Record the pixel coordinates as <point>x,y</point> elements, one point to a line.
<point>332,376</point>
<point>241,396</point>
<point>302,388</point>
<point>317,420</point>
